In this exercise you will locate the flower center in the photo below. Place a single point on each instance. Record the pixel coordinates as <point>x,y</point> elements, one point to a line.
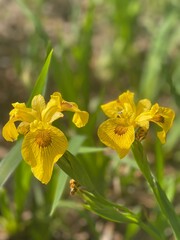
<point>120,130</point>
<point>43,138</point>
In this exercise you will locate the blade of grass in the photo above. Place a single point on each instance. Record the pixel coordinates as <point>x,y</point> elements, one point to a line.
<point>150,83</point>
<point>61,180</point>
<point>10,162</point>
<point>40,85</point>
<point>164,203</point>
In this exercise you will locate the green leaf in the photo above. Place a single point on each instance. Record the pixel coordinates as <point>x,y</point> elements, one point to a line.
<point>70,204</point>
<point>96,202</point>
<point>91,149</point>
<point>40,85</point>
<point>58,189</point>
<point>21,188</point>
<point>13,158</point>
<point>75,169</point>
<point>116,213</point>
<point>108,210</point>
<point>151,81</point>
<point>74,145</point>
<point>164,203</point>
<point>10,162</point>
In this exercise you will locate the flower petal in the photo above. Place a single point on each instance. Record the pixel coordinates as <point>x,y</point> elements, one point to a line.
<point>80,118</point>
<point>22,113</point>
<point>126,97</point>
<point>123,107</point>
<point>142,106</point>
<point>38,104</point>
<point>42,148</point>
<point>52,110</point>
<point>10,132</point>
<point>116,136</point>
<point>112,109</point>
<point>164,118</point>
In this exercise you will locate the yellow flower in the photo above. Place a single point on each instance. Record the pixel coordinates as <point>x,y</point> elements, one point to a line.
<point>118,132</point>
<point>128,121</point>
<point>43,143</point>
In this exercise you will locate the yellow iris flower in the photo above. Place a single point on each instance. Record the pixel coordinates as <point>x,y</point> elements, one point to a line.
<point>43,143</point>
<point>126,119</point>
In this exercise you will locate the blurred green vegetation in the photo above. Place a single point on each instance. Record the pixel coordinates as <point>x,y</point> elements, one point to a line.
<point>101,48</point>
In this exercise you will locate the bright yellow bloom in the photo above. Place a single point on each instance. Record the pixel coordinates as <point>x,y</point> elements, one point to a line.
<point>127,119</point>
<point>43,143</point>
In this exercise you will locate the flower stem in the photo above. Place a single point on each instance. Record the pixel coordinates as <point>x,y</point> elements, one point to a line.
<point>164,203</point>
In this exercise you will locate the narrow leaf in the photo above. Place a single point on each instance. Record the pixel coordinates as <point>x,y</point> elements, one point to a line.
<point>40,85</point>
<point>10,162</point>
<point>61,179</point>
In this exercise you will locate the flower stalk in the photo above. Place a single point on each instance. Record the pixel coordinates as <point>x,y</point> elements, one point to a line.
<point>164,203</point>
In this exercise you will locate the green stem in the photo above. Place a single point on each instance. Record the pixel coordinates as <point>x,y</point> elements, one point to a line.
<point>164,203</point>
<point>152,231</point>
<point>73,167</point>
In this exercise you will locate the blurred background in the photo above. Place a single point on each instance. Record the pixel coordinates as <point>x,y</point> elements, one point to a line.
<point>101,48</point>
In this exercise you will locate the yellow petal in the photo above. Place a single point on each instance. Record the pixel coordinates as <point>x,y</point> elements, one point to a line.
<point>42,148</point>
<point>128,98</point>
<point>22,113</point>
<point>23,128</point>
<point>10,132</point>
<point>52,110</point>
<point>164,118</point>
<point>69,106</point>
<point>123,107</point>
<point>80,118</point>
<point>142,106</point>
<point>112,109</point>
<point>38,104</point>
<point>116,136</point>
<point>143,114</point>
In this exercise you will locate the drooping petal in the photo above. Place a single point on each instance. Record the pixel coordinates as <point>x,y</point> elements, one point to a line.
<point>22,113</point>
<point>19,113</point>
<point>10,132</point>
<point>69,106</point>
<point>80,118</point>
<point>164,118</point>
<point>41,149</point>
<point>117,136</point>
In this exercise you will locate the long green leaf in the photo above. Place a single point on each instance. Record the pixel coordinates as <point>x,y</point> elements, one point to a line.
<point>40,85</point>
<point>10,162</point>
<point>13,158</point>
<point>116,213</point>
<point>76,170</point>
<point>96,202</point>
<point>151,82</point>
<point>61,180</point>
<point>164,203</point>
